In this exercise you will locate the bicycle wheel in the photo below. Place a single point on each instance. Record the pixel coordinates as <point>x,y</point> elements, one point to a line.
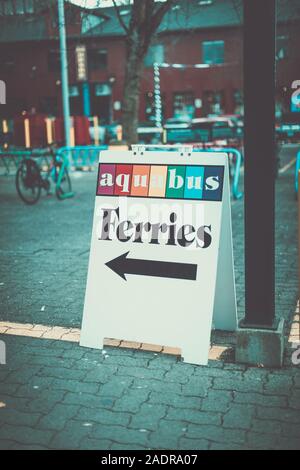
<point>65,186</point>
<point>28,181</point>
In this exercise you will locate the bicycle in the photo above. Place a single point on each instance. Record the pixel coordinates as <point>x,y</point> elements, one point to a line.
<point>30,182</point>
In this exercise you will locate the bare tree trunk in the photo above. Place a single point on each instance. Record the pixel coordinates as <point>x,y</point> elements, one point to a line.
<point>145,18</point>
<point>133,73</point>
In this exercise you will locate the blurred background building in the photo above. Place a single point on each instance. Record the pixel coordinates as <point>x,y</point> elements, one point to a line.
<point>207,32</point>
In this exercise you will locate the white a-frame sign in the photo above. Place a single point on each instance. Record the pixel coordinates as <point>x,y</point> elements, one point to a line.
<point>161,263</point>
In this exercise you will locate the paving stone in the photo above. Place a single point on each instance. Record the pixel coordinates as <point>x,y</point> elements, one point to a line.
<point>162,361</point>
<point>193,416</point>
<point>16,417</point>
<point>216,433</point>
<point>266,427</point>
<point>74,386</point>
<point>204,371</point>
<point>121,434</point>
<point>179,374</point>
<point>103,416</point>
<point>116,446</point>
<point>88,400</point>
<point>197,386</point>
<point>101,374</point>
<point>297,381</point>
<point>239,416</point>
<point>288,443</point>
<point>43,351</point>
<point>260,399</point>
<point>71,436</point>
<point>279,385</point>
<point>74,353</point>
<point>28,447</point>
<point>11,402</point>
<point>290,430</point>
<point>294,399</point>
<point>193,444</point>
<point>176,400</point>
<point>166,436</point>
<point>95,444</point>
<point>25,435</point>
<point>238,385</point>
<point>257,440</point>
<point>141,372</point>
<point>159,386</point>
<point>23,375</point>
<point>127,361</point>
<point>278,414</point>
<point>148,416</point>
<point>217,401</point>
<point>115,387</point>
<point>132,401</point>
<point>232,446</point>
<point>45,401</point>
<point>8,388</point>
<point>63,373</point>
<point>6,444</point>
<point>57,418</point>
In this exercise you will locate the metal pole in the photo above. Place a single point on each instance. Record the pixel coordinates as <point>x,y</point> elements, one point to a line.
<point>259,93</point>
<point>86,99</point>
<point>64,71</point>
<point>298,179</point>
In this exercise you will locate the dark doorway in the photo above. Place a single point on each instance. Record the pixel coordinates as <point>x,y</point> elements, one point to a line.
<point>101,102</point>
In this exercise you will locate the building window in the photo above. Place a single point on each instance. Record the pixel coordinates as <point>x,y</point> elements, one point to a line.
<point>282,47</point>
<point>101,102</point>
<point>97,59</point>
<point>184,105</point>
<point>155,54</point>
<point>48,105</point>
<point>213,103</point>
<point>76,101</point>
<point>238,102</point>
<point>8,64</point>
<point>53,61</point>
<point>16,7</point>
<point>213,52</point>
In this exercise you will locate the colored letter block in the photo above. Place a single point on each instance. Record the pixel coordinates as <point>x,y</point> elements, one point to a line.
<point>106,179</point>
<point>175,182</point>
<point>213,183</point>
<point>194,182</point>
<point>140,180</point>
<point>158,179</point>
<point>123,180</point>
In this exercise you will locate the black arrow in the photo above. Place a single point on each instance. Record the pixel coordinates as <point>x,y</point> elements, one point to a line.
<point>144,267</point>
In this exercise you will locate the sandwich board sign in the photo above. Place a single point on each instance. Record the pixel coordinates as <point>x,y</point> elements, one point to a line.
<point>161,263</point>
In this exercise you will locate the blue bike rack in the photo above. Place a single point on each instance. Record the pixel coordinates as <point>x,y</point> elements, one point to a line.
<point>81,155</point>
<point>297,169</point>
<point>236,193</point>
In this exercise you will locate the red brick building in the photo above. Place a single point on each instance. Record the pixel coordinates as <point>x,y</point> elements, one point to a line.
<point>207,32</point>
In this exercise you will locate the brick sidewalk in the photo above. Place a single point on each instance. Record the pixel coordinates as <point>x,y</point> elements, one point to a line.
<point>54,394</point>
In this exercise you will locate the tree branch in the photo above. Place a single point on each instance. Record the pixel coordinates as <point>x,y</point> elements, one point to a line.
<point>120,19</point>
<point>158,16</point>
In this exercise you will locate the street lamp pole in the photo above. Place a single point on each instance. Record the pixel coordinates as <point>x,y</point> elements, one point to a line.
<point>260,338</point>
<point>259,95</point>
<point>64,71</point>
